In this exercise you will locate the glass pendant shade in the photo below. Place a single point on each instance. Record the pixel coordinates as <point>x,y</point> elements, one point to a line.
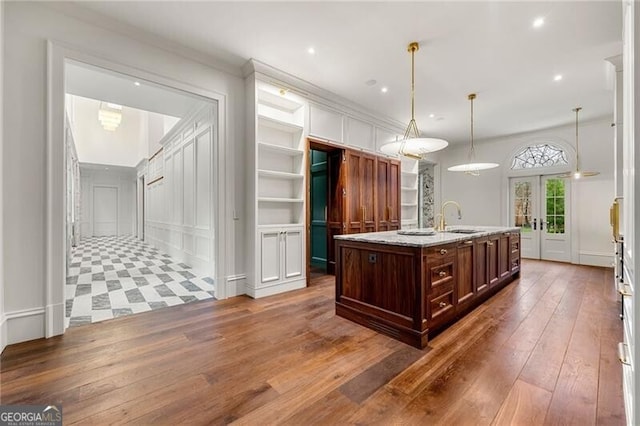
<point>472,167</point>
<point>577,173</point>
<point>412,145</point>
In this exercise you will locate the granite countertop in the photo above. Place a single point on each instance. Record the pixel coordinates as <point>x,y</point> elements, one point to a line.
<point>438,238</point>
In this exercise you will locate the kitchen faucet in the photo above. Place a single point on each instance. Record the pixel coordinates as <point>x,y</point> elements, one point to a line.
<point>442,224</point>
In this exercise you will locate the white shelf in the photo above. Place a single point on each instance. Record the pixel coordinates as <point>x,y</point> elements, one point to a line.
<point>409,173</point>
<point>280,149</point>
<point>409,189</point>
<point>279,175</point>
<point>409,204</point>
<point>280,200</point>
<point>279,124</point>
<point>278,101</point>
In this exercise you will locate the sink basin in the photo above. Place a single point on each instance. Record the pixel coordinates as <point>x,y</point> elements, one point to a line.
<point>420,232</point>
<point>463,231</point>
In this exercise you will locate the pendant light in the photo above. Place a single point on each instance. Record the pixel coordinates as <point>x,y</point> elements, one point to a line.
<point>577,174</point>
<point>412,144</point>
<point>472,168</point>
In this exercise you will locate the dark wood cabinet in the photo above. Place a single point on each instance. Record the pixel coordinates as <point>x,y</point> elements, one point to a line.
<point>481,264</point>
<point>504,255</point>
<point>466,277</point>
<point>388,195</point>
<point>514,255</point>
<point>408,291</point>
<point>441,279</point>
<point>360,187</point>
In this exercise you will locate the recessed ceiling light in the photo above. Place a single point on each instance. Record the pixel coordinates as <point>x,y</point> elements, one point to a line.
<point>557,77</point>
<point>538,22</point>
<point>136,83</point>
<point>432,115</point>
<point>311,51</point>
<point>371,82</point>
<point>384,90</point>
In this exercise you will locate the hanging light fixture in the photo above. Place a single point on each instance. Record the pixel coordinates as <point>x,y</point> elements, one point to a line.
<point>412,144</point>
<point>472,168</point>
<point>110,115</point>
<point>577,174</point>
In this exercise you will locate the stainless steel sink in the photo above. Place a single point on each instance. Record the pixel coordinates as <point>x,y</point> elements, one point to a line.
<point>463,231</point>
<point>419,232</point>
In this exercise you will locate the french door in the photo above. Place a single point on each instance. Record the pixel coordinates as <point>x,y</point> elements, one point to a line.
<point>539,206</point>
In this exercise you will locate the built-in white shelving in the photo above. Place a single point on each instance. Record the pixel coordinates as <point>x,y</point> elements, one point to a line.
<point>409,193</point>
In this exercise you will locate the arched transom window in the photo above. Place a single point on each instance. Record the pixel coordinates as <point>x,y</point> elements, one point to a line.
<point>541,155</point>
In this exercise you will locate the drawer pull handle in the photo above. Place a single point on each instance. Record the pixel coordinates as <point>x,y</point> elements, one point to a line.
<point>442,273</point>
<point>443,251</point>
<point>468,242</point>
<point>622,289</point>
<point>489,243</point>
<point>442,304</point>
<point>622,354</point>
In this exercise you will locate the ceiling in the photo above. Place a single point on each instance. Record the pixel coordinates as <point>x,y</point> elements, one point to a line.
<point>104,85</point>
<point>490,48</point>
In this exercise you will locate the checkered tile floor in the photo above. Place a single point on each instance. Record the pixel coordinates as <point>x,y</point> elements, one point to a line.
<point>115,276</point>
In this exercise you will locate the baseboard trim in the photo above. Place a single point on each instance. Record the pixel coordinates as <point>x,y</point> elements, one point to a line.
<point>27,324</point>
<point>236,285</point>
<point>55,319</point>
<point>257,293</point>
<point>3,333</point>
<point>595,258</point>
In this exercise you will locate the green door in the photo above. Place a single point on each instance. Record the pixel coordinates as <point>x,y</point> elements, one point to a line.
<point>318,209</point>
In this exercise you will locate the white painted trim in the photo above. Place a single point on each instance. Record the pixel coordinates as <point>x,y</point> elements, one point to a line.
<point>257,293</point>
<point>236,285</point>
<point>55,255</point>
<point>595,258</point>
<point>27,324</point>
<point>3,330</point>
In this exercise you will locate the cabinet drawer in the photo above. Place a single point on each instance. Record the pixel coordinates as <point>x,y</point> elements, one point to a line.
<point>439,252</point>
<point>440,306</point>
<point>441,275</point>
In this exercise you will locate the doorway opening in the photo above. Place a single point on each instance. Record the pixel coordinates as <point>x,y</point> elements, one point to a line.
<point>146,199</point>
<point>324,207</point>
<point>540,207</point>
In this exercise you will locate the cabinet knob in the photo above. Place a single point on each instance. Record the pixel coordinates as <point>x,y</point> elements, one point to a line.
<point>443,251</point>
<point>489,243</point>
<point>442,273</point>
<point>442,304</point>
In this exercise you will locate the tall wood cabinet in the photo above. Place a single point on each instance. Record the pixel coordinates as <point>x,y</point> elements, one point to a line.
<point>360,192</point>
<point>388,205</point>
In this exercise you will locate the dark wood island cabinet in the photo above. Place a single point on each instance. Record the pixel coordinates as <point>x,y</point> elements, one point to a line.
<point>408,286</point>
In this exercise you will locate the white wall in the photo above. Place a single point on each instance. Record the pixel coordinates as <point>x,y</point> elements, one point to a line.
<point>28,27</point>
<point>484,199</point>
<point>124,179</point>
<point>180,206</point>
<point>137,137</point>
<point>3,324</point>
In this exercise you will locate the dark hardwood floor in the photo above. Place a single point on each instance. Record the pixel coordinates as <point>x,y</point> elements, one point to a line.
<point>542,351</point>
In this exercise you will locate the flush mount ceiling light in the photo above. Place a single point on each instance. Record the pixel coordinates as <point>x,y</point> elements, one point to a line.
<point>412,144</point>
<point>577,174</point>
<point>110,115</point>
<point>472,168</point>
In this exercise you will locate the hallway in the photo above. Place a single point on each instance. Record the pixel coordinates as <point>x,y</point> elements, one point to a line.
<point>116,276</point>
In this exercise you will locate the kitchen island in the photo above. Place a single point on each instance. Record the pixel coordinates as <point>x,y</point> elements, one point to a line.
<point>409,284</point>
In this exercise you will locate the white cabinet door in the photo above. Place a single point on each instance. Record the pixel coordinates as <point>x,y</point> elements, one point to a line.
<point>325,124</point>
<point>360,134</point>
<point>293,258</point>
<point>269,256</point>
